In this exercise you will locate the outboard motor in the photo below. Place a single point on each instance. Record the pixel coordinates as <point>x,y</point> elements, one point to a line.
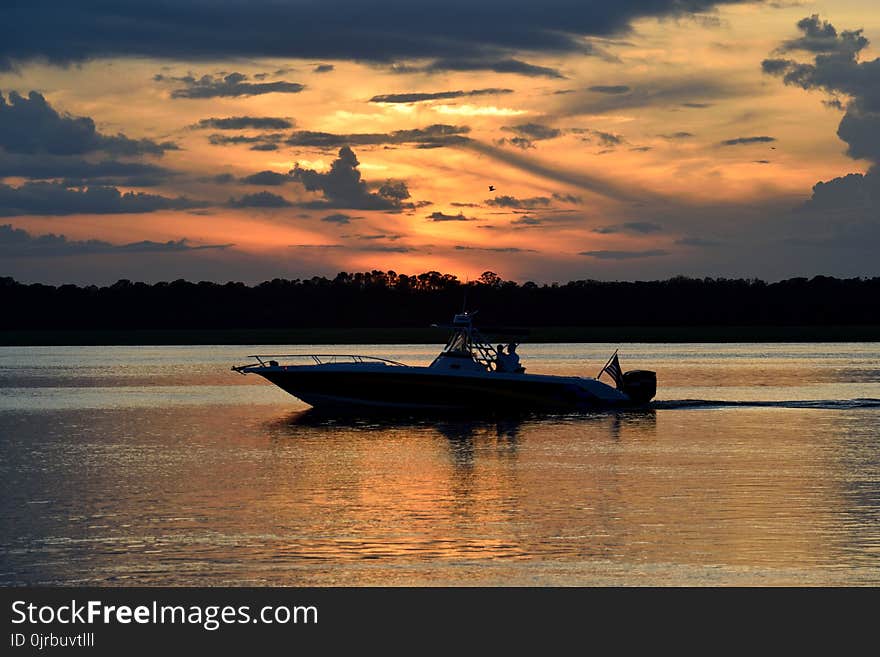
<point>639,385</point>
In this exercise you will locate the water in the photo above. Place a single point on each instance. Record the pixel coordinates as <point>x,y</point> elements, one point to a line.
<point>758,465</point>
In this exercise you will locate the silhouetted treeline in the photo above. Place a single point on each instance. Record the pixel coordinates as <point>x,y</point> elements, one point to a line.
<point>386,299</point>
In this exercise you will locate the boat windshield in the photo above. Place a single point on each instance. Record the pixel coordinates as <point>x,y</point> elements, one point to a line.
<point>458,343</point>
<point>465,340</point>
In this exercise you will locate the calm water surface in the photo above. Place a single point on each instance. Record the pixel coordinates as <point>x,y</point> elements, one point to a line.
<point>759,464</point>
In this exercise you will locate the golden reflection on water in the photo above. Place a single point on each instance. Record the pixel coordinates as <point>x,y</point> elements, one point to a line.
<point>195,491</point>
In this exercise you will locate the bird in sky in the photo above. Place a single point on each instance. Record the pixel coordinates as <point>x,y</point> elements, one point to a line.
<point>491,188</point>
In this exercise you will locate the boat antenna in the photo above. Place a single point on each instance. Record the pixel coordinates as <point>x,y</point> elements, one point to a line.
<point>464,301</point>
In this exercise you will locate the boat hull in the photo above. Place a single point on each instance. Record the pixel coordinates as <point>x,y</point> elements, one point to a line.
<point>421,388</point>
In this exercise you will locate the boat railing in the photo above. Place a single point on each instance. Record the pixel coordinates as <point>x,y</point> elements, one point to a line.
<point>266,360</point>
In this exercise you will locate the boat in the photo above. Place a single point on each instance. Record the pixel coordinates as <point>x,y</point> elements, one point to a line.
<point>469,373</point>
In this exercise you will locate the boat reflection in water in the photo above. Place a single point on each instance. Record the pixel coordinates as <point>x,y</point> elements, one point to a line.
<point>469,373</point>
<point>464,427</point>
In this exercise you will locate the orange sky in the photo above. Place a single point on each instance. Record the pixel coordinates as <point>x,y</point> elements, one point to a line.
<point>617,168</point>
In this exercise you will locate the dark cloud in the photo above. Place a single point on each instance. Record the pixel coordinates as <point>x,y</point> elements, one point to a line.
<point>608,138</point>
<point>460,30</point>
<point>527,133</point>
<point>394,190</point>
<point>266,178</point>
<point>414,97</point>
<point>42,166</point>
<point>507,201</point>
<point>494,249</point>
<point>852,191</point>
<point>697,105</point>
<point>568,198</point>
<point>672,136</point>
<point>514,66</point>
<point>18,243</point>
<point>264,142</point>
<point>32,125</point>
<point>342,186</point>
<point>526,221</point>
<point>337,218</point>
<point>439,216</point>
<point>232,85</point>
<point>624,255</point>
<point>609,89</point>
<point>220,179</point>
<point>380,236</point>
<point>820,36</point>
<point>642,227</point>
<point>53,198</point>
<point>259,200</point>
<point>246,122</point>
<point>836,69</point>
<point>323,68</point>
<point>433,135</point>
<point>738,141</point>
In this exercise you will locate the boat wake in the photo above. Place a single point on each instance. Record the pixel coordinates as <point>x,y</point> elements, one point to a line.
<point>830,404</point>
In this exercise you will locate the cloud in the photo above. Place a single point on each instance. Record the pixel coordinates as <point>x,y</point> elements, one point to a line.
<point>673,136</point>
<point>337,218</point>
<point>264,142</point>
<point>475,33</point>
<point>527,133</point>
<point>32,125</point>
<point>18,243</point>
<point>610,89</point>
<point>74,168</point>
<point>608,138</point>
<point>438,134</point>
<point>836,69</point>
<point>747,140</point>
<point>624,255</point>
<point>342,186</point>
<point>380,236</point>
<point>259,200</point>
<point>266,178</point>
<point>232,85</point>
<point>439,216</point>
<point>640,227</point>
<point>323,68</point>
<point>513,66</point>
<point>852,191</point>
<point>414,97</point>
<point>53,198</point>
<point>507,201</point>
<point>246,122</point>
<point>821,37</point>
<point>495,249</point>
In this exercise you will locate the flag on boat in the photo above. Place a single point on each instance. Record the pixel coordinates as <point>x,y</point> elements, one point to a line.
<point>613,369</point>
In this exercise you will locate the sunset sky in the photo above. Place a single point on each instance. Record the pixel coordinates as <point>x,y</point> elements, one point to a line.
<point>289,138</point>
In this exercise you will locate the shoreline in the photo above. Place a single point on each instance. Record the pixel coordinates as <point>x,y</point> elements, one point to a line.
<point>547,334</point>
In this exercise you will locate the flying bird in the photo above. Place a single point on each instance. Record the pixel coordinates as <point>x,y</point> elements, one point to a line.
<point>491,188</point>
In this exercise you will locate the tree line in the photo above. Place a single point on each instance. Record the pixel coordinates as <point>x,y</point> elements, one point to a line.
<point>386,299</point>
